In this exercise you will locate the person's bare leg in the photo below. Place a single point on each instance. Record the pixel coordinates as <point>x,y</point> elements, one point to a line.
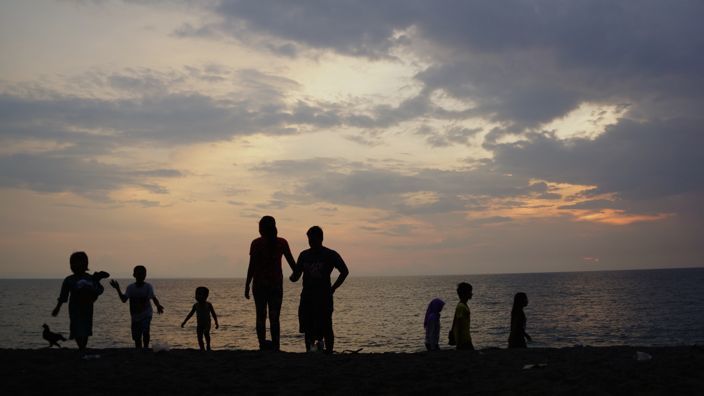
<point>275,327</point>
<point>200,340</point>
<point>81,342</point>
<point>260,304</point>
<point>206,334</point>
<point>274,313</point>
<point>329,335</point>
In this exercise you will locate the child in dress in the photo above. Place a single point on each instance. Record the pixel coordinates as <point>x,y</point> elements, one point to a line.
<point>80,290</point>
<point>140,293</point>
<point>517,337</point>
<point>432,324</point>
<point>203,310</point>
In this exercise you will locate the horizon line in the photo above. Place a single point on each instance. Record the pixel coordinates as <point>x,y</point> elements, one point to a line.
<point>404,276</point>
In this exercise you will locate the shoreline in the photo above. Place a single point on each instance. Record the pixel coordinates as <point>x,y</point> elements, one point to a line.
<point>584,370</point>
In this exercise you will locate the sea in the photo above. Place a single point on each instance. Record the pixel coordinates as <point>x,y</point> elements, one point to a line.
<point>385,314</point>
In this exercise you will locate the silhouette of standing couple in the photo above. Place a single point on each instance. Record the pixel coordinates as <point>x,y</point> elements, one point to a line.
<point>266,277</point>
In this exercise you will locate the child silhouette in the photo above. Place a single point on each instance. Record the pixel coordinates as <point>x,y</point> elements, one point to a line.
<point>139,293</point>
<point>517,337</point>
<point>460,324</point>
<point>432,324</point>
<point>203,310</point>
<point>80,290</point>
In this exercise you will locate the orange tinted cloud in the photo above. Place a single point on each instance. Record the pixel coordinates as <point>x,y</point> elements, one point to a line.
<point>535,206</point>
<point>617,217</point>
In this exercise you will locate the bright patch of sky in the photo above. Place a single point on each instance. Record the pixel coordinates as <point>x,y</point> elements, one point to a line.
<point>589,120</point>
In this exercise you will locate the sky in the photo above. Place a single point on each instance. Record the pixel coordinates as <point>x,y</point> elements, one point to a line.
<point>424,137</point>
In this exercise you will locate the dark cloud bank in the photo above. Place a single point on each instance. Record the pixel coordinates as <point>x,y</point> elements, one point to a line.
<point>524,63</point>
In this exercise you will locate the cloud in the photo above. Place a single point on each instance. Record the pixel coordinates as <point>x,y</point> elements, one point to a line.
<point>421,192</point>
<point>449,136</point>
<point>159,173</point>
<point>522,63</point>
<point>144,105</point>
<point>110,112</point>
<point>85,177</point>
<point>635,177</point>
<point>145,203</point>
<point>351,27</point>
<point>593,204</point>
<point>491,220</point>
<point>273,204</point>
<point>95,113</point>
<point>171,119</point>
<point>307,167</point>
<point>516,62</point>
<point>636,160</point>
<point>172,108</point>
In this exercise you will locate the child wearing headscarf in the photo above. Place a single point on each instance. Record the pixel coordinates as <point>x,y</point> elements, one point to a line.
<point>432,324</point>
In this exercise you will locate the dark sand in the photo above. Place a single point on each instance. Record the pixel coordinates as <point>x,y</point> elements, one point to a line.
<point>578,370</point>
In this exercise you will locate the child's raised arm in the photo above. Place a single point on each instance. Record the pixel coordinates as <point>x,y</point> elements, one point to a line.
<point>190,314</point>
<point>212,312</point>
<point>116,285</point>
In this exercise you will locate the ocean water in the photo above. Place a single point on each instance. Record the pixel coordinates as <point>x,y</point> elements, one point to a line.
<point>385,314</point>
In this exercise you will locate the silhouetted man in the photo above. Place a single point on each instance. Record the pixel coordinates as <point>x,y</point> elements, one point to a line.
<point>316,307</point>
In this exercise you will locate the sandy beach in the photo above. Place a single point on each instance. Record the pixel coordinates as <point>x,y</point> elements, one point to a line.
<point>577,370</point>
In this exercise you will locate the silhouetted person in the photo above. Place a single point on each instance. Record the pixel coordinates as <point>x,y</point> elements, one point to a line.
<point>53,338</point>
<point>265,273</point>
<point>80,290</point>
<point>460,324</point>
<point>140,294</point>
<point>203,310</point>
<point>316,306</point>
<point>517,337</point>
<point>432,324</point>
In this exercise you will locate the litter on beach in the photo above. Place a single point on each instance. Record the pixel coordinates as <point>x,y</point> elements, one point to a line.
<point>534,366</point>
<point>161,347</point>
<point>642,356</point>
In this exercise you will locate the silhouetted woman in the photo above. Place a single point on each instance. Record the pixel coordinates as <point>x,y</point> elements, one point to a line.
<point>265,270</point>
<point>517,337</point>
